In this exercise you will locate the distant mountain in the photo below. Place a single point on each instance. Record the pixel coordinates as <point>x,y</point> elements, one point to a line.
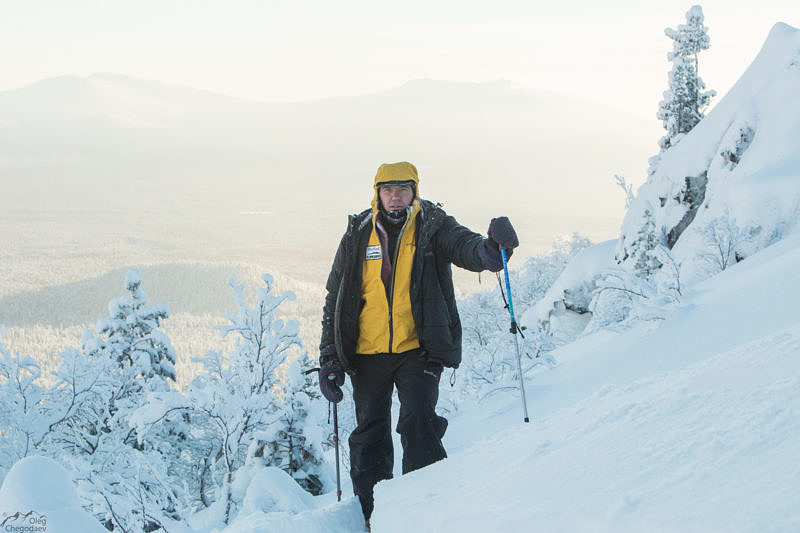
<point>468,131</point>
<point>490,140</point>
<point>127,171</point>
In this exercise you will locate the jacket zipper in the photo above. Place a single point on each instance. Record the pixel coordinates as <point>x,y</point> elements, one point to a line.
<point>394,269</point>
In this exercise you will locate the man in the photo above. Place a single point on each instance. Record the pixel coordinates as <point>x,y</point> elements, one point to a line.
<point>390,319</point>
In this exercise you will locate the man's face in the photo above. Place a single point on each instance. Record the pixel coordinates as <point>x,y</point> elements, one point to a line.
<point>396,197</point>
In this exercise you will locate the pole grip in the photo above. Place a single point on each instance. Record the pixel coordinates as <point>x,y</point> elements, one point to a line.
<point>508,287</point>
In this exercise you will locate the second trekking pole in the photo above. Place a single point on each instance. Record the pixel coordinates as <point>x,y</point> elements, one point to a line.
<point>335,437</point>
<point>336,442</point>
<point>514,331</point>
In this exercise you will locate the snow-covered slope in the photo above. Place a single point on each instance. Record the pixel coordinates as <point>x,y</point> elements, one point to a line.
<point>691,426</point>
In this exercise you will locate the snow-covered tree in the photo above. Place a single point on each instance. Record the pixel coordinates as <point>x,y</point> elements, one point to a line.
<point>686,98</point>
<point>98,387</point>
<point>627,189</point>
<point>649,238</point>
<point>132,337</point>
<point>231,402</point>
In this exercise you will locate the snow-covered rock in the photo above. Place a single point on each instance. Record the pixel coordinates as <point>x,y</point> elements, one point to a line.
<point>563,311</point>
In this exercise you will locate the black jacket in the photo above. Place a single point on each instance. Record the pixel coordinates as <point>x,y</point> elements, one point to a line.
<point>440,241</point>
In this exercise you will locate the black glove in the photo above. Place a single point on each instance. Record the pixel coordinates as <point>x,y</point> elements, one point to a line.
<point>331,374</point>
<point>501,234</point>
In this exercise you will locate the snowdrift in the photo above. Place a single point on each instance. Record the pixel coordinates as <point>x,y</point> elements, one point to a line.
<point>39,495</point>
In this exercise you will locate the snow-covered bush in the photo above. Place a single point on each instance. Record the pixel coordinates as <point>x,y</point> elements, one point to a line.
<point>21,425</point>
<point>487,341</point>
<point>296,443</point>
<point>623,296</point>
<point>723,239</point>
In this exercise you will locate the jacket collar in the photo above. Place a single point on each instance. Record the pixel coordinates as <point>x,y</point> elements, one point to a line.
<point>430,214</point>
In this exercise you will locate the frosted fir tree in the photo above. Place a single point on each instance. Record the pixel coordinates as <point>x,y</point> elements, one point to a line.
<point>139,348</point>
<point>645,260</point>
<point>686,99</point>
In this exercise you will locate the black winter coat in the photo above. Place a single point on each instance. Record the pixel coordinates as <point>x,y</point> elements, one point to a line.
<point>440,241</point>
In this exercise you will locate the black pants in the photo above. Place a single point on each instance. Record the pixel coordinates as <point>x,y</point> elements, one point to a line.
<point>420,428</point>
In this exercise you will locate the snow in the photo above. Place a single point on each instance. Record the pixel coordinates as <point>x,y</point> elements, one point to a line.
<point>41,485</point>
<point>274,502</point>
<point>271,489</point>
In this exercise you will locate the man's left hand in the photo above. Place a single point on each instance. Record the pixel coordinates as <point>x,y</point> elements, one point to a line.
<point>502,233</point>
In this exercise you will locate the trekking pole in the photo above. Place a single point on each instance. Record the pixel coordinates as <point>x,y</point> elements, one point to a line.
<point>514,330</point>
<point>335,440</point>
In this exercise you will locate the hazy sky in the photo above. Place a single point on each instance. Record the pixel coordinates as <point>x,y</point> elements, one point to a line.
<point>613,52</point>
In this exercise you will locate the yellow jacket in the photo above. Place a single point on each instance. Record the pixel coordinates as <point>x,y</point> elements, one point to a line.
<point>386,324</point>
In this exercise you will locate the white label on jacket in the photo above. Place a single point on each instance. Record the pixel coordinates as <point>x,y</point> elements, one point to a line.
<point>373,252</point>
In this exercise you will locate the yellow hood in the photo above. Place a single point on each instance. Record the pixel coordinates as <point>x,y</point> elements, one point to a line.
<point>402,171</point>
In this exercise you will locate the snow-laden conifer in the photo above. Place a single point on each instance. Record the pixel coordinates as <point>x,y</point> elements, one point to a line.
<point>98,387</point>
<point>686,98</point>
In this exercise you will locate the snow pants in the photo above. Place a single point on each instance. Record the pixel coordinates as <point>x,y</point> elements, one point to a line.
<point>420,428</point>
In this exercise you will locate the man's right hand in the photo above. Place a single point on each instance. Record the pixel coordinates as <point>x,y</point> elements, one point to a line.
<point>331,374</point>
